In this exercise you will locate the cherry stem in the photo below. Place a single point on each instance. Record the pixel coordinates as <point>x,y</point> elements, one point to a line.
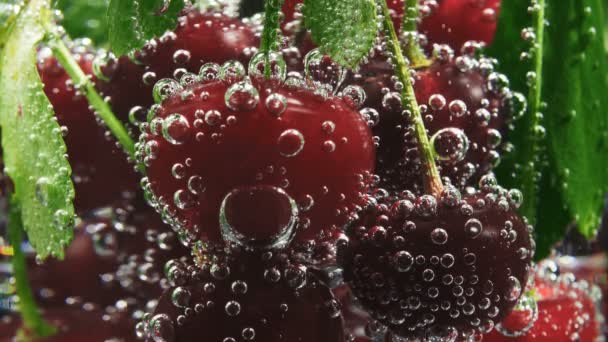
<point>533,116</point>
<point>33,321</point>
<point>414,52</point>
<point>432,180</point>
<point>270,33</point>
<point>102,108</point>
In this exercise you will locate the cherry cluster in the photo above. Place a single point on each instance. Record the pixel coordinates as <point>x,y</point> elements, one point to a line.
<point>284,196</point>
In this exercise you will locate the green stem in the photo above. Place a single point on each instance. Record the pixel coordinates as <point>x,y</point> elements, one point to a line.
<point>270,34</point>
<point>410,30</point>
<point>63,55</point>
<point>432,179</point>
<point>32,319</point>
<point>530,150</point>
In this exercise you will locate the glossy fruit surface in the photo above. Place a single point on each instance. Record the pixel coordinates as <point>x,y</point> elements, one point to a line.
<point>208,141</point>
<point>199,38</point>
<point>245,298</point>
<point>566,312</point>
<point>453,22</point>
<point>95,159</point>
<point>443,268</point>
<point>466,108</point>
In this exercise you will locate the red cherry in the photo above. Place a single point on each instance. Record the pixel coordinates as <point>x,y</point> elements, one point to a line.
<point>453,22</point>
<point>358,324</point>
<point>245,298</point>
<point>199,38</point>
<point>198,150</point>
<point>76,326</point>
<point>93,154</point>
<point>83,267</point>
<point>566,312</point>
<point>466,107</point>
<point>118,253</point>
<point>452,267</point>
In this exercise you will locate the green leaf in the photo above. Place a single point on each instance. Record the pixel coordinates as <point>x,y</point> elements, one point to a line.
<point>133,22</point>
<point>34,151</point>
<point>563,175</point>
<point>343,29</point>
<point>85,18</point>
<point>575,91</point>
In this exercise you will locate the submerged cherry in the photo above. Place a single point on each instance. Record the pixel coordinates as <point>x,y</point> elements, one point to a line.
<point>200,38</point>
<point>95,158</point>
<point>76,325</point>
<point>118,254</point>
<point>453,22</point>
<point>206,141</point>
<point>244,297</point>
<point>427,267</point>
<point>567,311</point>
<point>466,107</point>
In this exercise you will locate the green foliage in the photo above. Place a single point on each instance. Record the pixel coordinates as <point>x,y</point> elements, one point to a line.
<point>85,18</point>
<point>133,22</point>
<point>558,161</point>
<point>343,29</point>
<point>33,147</point>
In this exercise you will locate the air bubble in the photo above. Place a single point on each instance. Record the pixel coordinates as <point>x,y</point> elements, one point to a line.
<point>242,96</point>
<point>291,143</point>
<point>176,129</point>
<point>258,217</point>
<point>276,104</point>
<point>165,88</point>
<point>450,144</point>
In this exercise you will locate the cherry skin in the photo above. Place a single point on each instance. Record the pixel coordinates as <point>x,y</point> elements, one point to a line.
<point>93,154</point>
<point>453,267</point>
<point>245,297</point>
<point>463,107</point>
<point>76,325</point>
<point>566,312</point>
<point>199,38</point>
<point>198,150</point>
<point>453,22</point>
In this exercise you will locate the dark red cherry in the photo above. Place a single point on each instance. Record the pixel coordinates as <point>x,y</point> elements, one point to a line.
<point>118,253</point>
<point>453,22</point>
<point>245,298</point>
<point>309,154</point>
<point>426,267</point>
<point>359,326</point>
<point>76,325</point>
<point>77,277</point>
<point>100,170</point>
<point>566,312</point>
<point>200,38</point>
